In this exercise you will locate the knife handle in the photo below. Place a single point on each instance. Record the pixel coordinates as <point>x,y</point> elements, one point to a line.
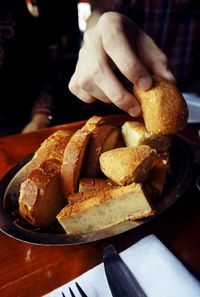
<point>120,279</point>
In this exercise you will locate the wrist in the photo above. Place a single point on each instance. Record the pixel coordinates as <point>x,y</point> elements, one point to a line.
<point>42,119</point>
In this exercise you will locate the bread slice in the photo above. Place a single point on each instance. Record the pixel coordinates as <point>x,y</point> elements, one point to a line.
<point>92,123</point>
<point>95,184</point>
<point>135,133</point>
<point>89,188</point>
<point>72,161</point>
<point>52,147</point>
<point>128,164</point>
<point>74,155</point>
<point>163,107</point>
<point>40,197</point>
<point>103,138</point>
<point>105,210</point>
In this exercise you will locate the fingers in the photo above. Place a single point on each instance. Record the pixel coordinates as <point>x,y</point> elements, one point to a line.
<point>120,44</point>
<point>153,57</point>
<point>132,51</point>
<point>94,78</point>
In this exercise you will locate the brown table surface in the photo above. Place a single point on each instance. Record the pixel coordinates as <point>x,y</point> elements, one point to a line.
<point>33,270</point>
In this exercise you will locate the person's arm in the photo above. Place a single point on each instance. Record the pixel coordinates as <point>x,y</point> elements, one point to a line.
<point>114,41</point>
<point>41,113</point>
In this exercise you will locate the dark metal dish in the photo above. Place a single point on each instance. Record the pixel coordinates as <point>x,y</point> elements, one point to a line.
<point>179,178</point>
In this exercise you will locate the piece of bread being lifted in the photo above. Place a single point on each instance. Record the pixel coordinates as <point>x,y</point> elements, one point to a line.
<point>163,107</point>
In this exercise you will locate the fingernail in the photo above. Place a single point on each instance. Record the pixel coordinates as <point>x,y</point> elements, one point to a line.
<point>145,83</point>
<point>134,111</point>
<point>170,76</point>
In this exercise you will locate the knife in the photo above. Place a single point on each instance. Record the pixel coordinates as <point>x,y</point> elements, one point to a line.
<point>120,279</point>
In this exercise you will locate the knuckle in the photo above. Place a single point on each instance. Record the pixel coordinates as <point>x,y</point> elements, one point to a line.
<point>117,99</point>
<point>72,86</point>
<point>96,71</point>
<point>84,82</point>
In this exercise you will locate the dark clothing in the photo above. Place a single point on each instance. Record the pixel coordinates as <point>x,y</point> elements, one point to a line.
<point>32,50</point>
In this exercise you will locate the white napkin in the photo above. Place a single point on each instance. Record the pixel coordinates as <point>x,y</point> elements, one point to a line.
<point>193,103</point>
<point>158,271</point>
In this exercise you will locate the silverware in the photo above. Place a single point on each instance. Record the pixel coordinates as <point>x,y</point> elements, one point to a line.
<point>82,293</point>
<point>120,279</point>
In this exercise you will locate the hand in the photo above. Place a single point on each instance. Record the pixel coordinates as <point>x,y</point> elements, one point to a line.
<point>38,121</point>
<point>116,41</point>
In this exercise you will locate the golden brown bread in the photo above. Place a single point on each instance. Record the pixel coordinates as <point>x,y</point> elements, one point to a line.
<point>128,164</point>
<point>135,133</point>
<point>89,187</point>
<point>97,184</point>
<point>163,107</point>
<point>40,197</point>
<point>52,147</point>
<point>74,155</point>
<point>103,138</point>
<point>105,209</point>
<point>73,160</point>
<point>92,123</point>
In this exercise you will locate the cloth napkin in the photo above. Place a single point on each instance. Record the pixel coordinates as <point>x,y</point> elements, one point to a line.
<point>193,103</point>
<point>158,271</point>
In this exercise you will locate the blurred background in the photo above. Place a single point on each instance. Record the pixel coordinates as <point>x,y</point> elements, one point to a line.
<point>39,44</point>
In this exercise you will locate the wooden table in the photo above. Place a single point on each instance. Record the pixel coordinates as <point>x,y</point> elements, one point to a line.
<point>33,270</point>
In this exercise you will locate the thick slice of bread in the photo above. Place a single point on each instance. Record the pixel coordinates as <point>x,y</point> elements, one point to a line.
<point>74,155</point>
<point>103,138</point>
<point>40,197</point>
<point>80,196</point>
<point>128,164</point>
<point>92,123</point>
<point>52,147</point>
<point>135,133</point>
<point>89,188</point>
<point>105,209</point>
<point>163,107</point>
<point>72,161</point>
<point>95,184</point>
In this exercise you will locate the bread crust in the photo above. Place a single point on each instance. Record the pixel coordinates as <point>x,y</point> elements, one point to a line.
<point>82,217</point>
<point>103,138</point>
<point>52,147</point>
<point>40,197</point>
<point>129,164</point>
<point>135,133</point>
<point>163,107</point>
<point>72,161</point>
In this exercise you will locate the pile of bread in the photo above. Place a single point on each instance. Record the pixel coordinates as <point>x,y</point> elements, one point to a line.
<point>103,175</point>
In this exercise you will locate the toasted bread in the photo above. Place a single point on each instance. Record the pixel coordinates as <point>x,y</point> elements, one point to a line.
<point>135,133</point>
<point>128,164</point>
<point>40,197</point>
<point>163,107</point>
<point>105,210</point>
<point>103,138</point>
<point>73,160</point>
<point>89,188</point>
<point>92,123</point>
<point>95,184</point>
<point>52,147</point>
